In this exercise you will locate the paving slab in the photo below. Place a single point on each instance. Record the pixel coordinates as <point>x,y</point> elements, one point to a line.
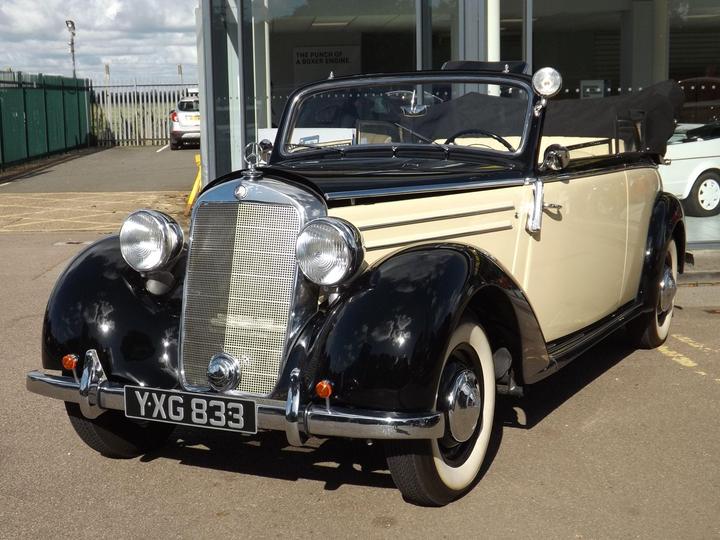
<point>98,212</point>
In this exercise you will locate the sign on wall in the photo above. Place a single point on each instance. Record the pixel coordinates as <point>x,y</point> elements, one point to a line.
<point>316,63</point>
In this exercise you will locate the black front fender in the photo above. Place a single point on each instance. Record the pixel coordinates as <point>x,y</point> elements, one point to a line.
<point>383,342</point>
<point>100,303</point>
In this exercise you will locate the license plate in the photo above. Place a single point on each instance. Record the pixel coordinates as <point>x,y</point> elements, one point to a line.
<point>201,410</point>
<point>194,117</point>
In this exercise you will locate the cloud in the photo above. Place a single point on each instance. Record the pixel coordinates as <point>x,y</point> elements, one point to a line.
<point>139,39</point>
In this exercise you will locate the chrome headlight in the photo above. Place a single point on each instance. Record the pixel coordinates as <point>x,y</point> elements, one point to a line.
<point>329,251</point>
<point>149,240</point>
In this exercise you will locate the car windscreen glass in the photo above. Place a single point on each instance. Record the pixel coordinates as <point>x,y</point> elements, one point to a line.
<point>189,106</point>
<point>466,113</point>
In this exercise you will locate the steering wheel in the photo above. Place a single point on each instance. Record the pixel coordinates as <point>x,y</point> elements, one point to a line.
<point>498,138</point>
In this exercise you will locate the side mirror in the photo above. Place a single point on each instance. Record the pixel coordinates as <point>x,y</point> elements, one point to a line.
<point>556,158</point>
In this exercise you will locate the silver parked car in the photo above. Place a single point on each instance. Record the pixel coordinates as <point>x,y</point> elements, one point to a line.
<point>185,122</point>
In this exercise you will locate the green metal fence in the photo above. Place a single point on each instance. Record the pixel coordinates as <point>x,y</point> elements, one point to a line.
<point>41,115</point>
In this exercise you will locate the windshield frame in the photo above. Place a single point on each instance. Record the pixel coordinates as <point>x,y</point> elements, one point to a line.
<point>452,77</point>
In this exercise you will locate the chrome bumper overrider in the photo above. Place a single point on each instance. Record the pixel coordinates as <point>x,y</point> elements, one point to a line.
<point>95,394</point>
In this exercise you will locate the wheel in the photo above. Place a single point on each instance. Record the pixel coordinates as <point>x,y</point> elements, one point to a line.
<point>115,436</point>
<point>651,329</point>
<point>704,198</point>
<point>175,145</point>
<point>435,472</point>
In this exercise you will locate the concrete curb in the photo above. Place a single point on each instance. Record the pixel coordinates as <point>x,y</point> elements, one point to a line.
<point>695,279</point>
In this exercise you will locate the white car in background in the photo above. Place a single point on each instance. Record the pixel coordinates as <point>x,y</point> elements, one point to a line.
<point>693,174</point>
<point>185,122</point>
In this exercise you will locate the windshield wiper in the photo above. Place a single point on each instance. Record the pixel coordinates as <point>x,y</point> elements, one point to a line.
<point>420,136</point>
<point>335,147</point>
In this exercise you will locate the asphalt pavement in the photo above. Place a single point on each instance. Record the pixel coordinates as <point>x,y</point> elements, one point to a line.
<point>620,444</point>
<point>96,191</point>
<point>115,169</point>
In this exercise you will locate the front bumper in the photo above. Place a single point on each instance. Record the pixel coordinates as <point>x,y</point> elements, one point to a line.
<point>95,394</point>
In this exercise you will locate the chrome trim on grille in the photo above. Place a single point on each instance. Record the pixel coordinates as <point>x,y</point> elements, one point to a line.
<point>303,293</point>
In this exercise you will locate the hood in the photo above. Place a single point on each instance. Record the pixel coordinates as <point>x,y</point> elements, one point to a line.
<point>354,178</point>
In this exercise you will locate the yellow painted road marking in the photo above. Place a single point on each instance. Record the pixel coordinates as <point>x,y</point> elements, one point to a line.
<point>677,357</point>
<point>694,344</point>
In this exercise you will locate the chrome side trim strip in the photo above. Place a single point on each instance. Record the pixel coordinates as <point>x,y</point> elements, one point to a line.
<point>436,217</point>
<point>273,414</point>
<point>565,176</point>
<point>419,190</point>
<point>489,227</point>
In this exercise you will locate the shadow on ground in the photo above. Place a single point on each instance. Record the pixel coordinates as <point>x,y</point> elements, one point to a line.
<point>544,397</point>
<point>44,166</point>
<point>338,462</point>
<point>335,462</point>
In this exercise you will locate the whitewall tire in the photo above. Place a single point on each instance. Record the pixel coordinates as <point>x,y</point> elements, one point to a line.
<point>651,329</point>
<point>433,473</point>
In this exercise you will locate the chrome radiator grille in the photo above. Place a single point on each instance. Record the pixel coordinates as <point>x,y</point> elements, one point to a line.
<point>239,288</point>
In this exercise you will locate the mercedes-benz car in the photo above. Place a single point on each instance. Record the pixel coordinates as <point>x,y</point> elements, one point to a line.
<point>380,272</point>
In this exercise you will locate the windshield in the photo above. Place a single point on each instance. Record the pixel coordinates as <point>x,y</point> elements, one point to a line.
<point>465,113</point>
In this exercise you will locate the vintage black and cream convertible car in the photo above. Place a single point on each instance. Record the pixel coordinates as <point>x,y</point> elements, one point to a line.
<point>408,247</point>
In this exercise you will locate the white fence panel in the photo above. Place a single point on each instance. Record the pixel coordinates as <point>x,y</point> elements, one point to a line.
<point>134,114</point>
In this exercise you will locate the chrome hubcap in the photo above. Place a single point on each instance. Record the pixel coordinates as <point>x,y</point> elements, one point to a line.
<point>709,194</point>
<point>223,372</point>
<point>668,289</point>
<point>463,403</point>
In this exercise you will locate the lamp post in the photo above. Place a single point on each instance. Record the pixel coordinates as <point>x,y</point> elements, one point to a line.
<point>71,28</point>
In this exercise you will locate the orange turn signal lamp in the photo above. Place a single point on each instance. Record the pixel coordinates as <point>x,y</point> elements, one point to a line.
<point>69,361</point>
<point>323,389</point>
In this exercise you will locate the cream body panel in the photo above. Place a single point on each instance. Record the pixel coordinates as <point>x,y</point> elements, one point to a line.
<point>492,220</point>
<point>576,263</point>
<point>643,185</point>
<point>582,266</point>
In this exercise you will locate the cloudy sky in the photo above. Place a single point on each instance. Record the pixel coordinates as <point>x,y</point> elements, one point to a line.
<point>140,39</point>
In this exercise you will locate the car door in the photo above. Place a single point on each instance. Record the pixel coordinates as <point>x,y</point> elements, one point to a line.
<point>575,264</point>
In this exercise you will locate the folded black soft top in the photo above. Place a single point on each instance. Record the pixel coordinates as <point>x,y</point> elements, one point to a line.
<point>654,109</point>
<point>652,112</point>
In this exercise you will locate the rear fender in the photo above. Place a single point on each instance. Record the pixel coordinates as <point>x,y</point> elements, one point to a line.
<point>666,224</point>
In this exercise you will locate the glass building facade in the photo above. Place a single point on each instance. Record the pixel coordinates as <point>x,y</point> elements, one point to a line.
<point>253,53</point>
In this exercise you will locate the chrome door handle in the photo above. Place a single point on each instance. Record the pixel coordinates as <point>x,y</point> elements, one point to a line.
<point>534,221</point>
<point>552,206</point>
